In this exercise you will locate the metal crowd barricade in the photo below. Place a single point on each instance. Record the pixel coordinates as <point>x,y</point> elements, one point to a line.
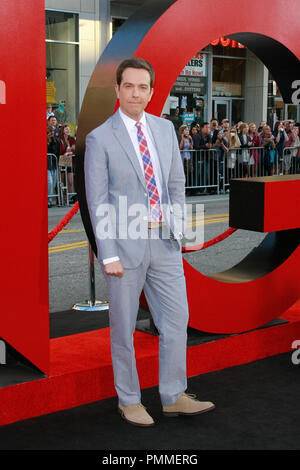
<point>252,162</point>
<point>201,168</point>
<point>65,194</point>
<point>204,172</point>
<point>56,186</point>
<point>291,160</point>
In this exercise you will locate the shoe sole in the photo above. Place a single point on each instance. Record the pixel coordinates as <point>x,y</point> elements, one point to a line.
<point>133,422</point>
<point>173,414</point>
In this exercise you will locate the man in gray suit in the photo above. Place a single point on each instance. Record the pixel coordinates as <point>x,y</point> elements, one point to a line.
<point>135,193</point>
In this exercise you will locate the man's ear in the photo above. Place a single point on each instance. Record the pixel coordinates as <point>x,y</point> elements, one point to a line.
<point>117,90</point>
<point>151,94</point>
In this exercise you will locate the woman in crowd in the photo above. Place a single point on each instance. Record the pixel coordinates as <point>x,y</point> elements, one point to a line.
<point>220,144</point>
<point>67,147</point>
<point>267,141</point>
<point>53,150</point>
<point>288,144</point>
<point>296,150</point>
<point>280,137</point>
<point>233,144</point>
<point>193,131</point>
<point>186,143</point>
<point>245,141</point>
<point>254,154</point>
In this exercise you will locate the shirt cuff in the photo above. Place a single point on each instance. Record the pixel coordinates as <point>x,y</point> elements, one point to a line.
<point>111,260</point>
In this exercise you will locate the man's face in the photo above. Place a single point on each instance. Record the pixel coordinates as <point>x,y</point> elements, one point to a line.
<point>214,124</point>
<point>52,121</point>
<point>134,92</point>
<point>205,129</point>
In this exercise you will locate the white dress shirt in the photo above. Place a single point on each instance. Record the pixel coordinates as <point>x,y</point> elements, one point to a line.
<point>131,127</point>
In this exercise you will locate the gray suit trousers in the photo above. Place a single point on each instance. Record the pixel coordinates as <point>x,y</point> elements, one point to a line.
<point>161,276</point>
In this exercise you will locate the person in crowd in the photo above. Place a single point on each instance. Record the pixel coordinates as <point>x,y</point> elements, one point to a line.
<point>49,110</point>
<point>67,147</point>
<point>52,121</point>
<point>289,142</point>
<point>297,125</point>
<point>239,123</point>
<point>268,143</point>
<point>262,124</point>
<point>280,137</point>
<point>194,131</point>
<point>225,127</point>
<point>220,144</point>
<point>201,142</point>
<point>296,150</point>
<point>233,144</point>
<point>214,125</point>
<point>246,143</point>
<point>186,144</point>
<point>176,120</point>
<point>53,147</point>
<point>254,154</point>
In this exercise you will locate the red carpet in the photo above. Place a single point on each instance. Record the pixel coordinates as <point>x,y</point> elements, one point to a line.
<point>81,370</point>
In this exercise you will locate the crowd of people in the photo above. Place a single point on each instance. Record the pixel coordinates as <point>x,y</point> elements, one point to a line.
<point>61,144</point>
<point>249,150</point>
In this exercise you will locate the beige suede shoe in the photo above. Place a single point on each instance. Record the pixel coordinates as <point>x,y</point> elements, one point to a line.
<point>136,414</point>
<point>187,405</point>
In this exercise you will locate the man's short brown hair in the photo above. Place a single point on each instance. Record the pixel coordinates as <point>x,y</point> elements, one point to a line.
<point>135,63</point>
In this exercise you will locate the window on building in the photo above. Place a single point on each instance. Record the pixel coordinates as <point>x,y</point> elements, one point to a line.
<point>237,111</point>
<point>228,76</point>
<point>62,65</point>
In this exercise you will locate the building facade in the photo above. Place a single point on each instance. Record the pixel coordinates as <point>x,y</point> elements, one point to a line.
<point>223,80</point>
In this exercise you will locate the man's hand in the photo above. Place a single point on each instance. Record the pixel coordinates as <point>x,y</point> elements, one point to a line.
<point>114,269</point>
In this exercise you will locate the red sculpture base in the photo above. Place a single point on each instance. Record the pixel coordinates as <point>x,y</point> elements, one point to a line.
<point>81,369</point>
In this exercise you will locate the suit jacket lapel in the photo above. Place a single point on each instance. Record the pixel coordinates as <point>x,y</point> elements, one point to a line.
<point>124,140</point>
<point>162,151</point>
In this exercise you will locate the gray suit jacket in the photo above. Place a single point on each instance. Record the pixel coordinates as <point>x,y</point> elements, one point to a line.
<point>116,190</point>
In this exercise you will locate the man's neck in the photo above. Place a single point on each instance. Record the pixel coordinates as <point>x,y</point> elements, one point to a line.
<point>134,118</point>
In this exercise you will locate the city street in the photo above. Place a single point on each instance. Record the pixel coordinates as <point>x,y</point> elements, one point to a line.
<point>68,252</point>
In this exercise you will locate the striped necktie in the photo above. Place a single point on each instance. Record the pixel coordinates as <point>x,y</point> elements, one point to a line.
<point>156,215</point>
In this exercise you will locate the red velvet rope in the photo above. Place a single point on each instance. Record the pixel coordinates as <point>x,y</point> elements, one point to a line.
<point>219,238</point>
<point>63,222</point>
<point>185,249</point>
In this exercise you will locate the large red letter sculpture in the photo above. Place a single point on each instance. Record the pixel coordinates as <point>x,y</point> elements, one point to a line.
<point>24,317</point>
<point>158,32</point>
